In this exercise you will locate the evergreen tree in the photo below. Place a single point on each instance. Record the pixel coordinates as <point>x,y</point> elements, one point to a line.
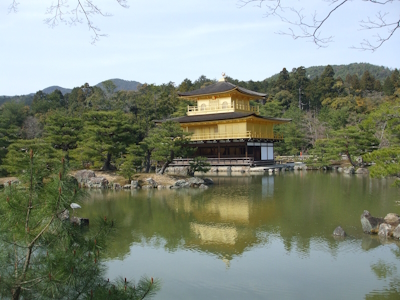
<point>367,81</point>
<point>168,141</point>
<point>294,133</point>
<point>106,135</point>
<point>326,83</point>
<point>283,82</point>
<point>386,162</point>
<point>62,131</point>
<point>12,116</point>
<point>353,141</point>
<point>131,161</point>
<point>378,85</point>
<point>45,256</point>
<point>388,86</point>
<point>395,78</point>
<point>199,164</point>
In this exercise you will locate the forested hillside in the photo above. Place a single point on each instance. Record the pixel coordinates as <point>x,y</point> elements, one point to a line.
<point>105,127</point>
<point>379,72</point>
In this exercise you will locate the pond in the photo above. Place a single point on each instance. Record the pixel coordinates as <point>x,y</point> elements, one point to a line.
<point>255,237</point>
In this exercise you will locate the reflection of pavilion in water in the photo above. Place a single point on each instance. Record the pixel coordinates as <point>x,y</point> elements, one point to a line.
<point>224,224</point>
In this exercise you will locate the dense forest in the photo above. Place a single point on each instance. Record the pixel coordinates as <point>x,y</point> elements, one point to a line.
<point>106,127</point>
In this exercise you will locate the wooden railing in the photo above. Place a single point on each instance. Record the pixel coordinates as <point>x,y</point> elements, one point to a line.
<point>194,110</point>
<point>234,161</point>
<point>236,135</point>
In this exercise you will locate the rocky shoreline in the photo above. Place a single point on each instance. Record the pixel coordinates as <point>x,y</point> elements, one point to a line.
<point>88,179</point>
<point>271,169</point>
<point>389,226</point>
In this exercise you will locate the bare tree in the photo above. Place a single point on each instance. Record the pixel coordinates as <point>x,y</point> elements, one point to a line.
<point>304,28</point>
<point>80,11</point>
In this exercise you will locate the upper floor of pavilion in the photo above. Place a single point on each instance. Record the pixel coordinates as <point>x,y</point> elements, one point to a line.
<point>221,97</point>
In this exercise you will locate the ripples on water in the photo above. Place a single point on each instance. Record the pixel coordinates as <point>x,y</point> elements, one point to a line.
<point>256,237</point>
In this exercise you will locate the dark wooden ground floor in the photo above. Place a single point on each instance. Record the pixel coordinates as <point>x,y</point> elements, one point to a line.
<point>233,153</point>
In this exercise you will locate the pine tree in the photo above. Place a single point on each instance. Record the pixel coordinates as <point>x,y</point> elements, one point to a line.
<point>388,87</point>
<point>62,131</point>
<point>45,256</point>
<point>168,141</point>
<point>367,81</point>
<point>106,136</point>
<point>386,162</point>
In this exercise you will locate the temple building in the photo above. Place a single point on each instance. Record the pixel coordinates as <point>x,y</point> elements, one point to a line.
<point>226,128</point>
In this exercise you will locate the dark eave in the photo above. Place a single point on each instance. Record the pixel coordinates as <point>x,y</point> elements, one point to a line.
<point>218,88</point>
<point>220,117</point>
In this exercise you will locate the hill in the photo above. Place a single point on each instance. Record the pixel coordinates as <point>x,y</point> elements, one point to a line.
<point>379,72</point>
<point>51,89</point>
<point>122,85</point>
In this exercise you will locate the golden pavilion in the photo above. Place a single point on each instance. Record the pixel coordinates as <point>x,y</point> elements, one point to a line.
<point>226,128</point>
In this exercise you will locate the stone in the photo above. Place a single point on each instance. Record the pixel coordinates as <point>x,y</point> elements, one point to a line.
<point>349,170</point>
<point>151,181</point>
<point>392,218</point>
<point>277,170</point>
<point>369,223</point>
<point>340,169</point>
<point>127,186</point>
<point>339,232</point>
<point>186,185</point>
<point>161,187</point>
<point>214,170</point>
<point>64,216</point>
<point>180,182</point>
<point>396,232</point>
<point>362,171</point>
<point>135,184</point>
<point>116,186</point>
<point>208,181</point>
<point>98,183</point>
<point>84,176</point>
<point>195,180</point>
<point>385,230</point>
<point>203,187</point>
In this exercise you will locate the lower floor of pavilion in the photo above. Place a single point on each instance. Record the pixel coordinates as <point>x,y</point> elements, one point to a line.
<point>232,153</point>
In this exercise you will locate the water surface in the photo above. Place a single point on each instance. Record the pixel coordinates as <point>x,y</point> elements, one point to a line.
<point>256,237</point>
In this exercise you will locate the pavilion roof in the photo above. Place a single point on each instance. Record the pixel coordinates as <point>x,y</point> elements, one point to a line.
<point>220,117</point>
<point>218,88</point>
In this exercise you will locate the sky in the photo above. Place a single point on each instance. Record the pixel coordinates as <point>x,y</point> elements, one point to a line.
<point>158,41</point>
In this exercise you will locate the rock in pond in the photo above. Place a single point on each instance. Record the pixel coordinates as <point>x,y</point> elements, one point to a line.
<point>208,181</point>
<point>195,180</point>
<point>396,232</point>
<point>339,232</point>
<point>369,223</point>
<point>392,219</point>
<point>385,230</point>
